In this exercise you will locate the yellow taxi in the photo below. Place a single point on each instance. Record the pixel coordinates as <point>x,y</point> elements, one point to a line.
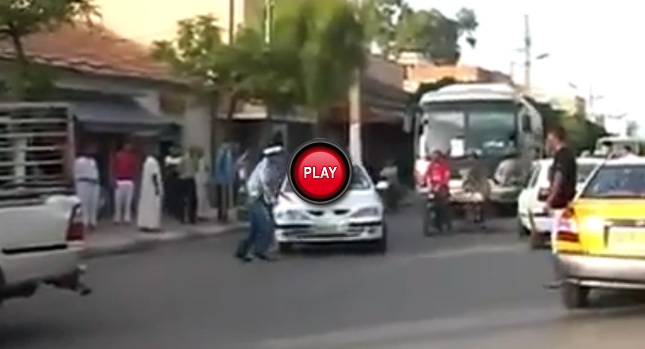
<point>600,239</point>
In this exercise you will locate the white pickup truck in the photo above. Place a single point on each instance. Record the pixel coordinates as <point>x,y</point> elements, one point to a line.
<point>41,235</point>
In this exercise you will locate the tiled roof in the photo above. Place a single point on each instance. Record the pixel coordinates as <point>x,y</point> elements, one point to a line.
<point>91,50</point>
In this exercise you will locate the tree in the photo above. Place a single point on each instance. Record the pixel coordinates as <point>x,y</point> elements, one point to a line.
<point>394,26</point>
<point>20,18</point>
<point>467,23</point>
<point>381,19</point>
<point>323,41</point>
<point>220,72</point>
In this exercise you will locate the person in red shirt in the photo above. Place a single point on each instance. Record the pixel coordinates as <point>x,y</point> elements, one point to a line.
<point>124,171</point>
<point>437,179</point>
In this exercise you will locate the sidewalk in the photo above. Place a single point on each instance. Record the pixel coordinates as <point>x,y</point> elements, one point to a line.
<point>111,239</point>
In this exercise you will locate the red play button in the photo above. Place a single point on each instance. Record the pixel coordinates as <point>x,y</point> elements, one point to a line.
<point>320,171</point>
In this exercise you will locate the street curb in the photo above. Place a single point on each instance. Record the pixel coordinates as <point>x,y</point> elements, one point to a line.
<point>142,244</point>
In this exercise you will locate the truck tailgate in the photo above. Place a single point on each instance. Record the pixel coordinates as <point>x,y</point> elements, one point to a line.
<point>31,227</point>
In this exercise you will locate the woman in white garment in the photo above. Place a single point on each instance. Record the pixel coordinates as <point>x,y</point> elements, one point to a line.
<point>201,181</point>
<point>87,185</point>
<point>150,197</point>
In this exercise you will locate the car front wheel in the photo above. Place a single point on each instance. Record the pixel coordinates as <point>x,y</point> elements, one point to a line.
<point>285,247</point>
<point>522,230</point>
<point>380,245</point>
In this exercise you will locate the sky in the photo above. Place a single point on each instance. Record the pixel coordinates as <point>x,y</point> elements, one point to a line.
<point>593,45</point>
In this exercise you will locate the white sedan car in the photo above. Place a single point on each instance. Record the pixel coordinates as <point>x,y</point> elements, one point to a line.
<point>534,220</point>
<point>357,217</point>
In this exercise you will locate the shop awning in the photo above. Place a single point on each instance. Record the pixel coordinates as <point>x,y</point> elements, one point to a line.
<point>122,115</point>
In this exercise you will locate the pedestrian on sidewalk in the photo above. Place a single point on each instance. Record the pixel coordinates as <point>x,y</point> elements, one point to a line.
<point>188,187</point>
<point>562,179</point>
<point>263,193</point>
<point>224,176</point>
<point>172,190</point>
<point>87,185</point>
<point>150,196</point>
<point>124,172</point>
<point>201,180</point>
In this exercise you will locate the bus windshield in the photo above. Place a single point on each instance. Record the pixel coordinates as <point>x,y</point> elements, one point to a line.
<point>489,129</point>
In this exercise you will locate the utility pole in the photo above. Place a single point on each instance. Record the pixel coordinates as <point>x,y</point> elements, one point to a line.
<point>354,99</point>
<point>268,20</point>
<point>527,55</point>
<point>231,21</point>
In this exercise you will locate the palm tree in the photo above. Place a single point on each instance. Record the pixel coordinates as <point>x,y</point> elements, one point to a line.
<point>326,44</point>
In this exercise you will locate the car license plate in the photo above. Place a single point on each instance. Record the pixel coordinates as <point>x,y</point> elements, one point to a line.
<point>332,226</point>
<point>628,239</point>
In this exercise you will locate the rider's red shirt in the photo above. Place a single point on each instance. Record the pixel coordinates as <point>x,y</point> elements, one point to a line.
<point>438,175</point>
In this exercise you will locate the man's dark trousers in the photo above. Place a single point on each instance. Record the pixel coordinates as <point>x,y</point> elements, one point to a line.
<point>188,198</point>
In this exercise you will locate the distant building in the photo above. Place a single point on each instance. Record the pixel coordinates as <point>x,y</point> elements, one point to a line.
<point>419,70</point>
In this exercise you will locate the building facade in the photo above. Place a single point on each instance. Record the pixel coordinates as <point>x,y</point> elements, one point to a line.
<point>419,70</point>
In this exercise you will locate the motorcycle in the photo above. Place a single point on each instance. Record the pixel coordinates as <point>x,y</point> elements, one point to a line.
<point>430,212</point>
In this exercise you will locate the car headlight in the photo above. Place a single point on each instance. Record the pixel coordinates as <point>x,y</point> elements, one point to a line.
<point>291,215</point>
<point>367,212</point>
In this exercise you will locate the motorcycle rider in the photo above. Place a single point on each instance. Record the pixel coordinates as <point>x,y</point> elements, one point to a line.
<point>437,179</point>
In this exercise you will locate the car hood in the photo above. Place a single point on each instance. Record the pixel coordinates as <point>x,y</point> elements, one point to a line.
<point>353,199</point>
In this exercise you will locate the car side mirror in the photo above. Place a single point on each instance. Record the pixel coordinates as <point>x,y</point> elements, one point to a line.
<point>382,185</point>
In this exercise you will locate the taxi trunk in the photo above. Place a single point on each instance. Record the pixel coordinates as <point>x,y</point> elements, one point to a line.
<point>614,227</point>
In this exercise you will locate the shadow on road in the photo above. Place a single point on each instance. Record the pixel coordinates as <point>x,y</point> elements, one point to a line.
<point>19,335</point>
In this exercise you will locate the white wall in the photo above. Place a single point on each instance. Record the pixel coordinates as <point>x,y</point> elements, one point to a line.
<point>197,128</point>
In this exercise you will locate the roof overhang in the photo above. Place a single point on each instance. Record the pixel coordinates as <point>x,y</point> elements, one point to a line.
<point>122,115</point>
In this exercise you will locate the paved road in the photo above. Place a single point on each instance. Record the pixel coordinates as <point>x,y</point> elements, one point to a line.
<point>465,291</point>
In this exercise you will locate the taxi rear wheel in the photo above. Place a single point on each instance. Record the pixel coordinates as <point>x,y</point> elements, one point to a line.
<point>574,296</point>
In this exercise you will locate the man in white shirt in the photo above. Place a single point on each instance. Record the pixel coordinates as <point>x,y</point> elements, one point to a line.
<point>86,180</point>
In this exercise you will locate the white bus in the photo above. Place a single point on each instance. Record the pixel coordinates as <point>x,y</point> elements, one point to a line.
<point>494,120</point>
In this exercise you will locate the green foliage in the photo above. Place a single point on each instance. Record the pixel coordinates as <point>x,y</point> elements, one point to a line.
<point>314,48</point>
<point>19,18</point>
<point>583,133</point>
<point>381,19</point>
<point>325,40</point>
<point>394,26</point>
<point>32,83</point>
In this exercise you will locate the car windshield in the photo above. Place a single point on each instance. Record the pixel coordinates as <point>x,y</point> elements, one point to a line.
<point>487,128</point>
<point>360,181</point>
<point>626,181</point>
<point>583,171</point>
<point>491,131</point>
